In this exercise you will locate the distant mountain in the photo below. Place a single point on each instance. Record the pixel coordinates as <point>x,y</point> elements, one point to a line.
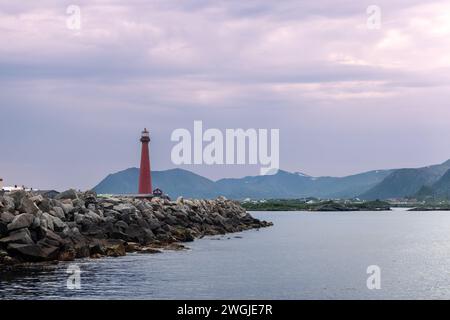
<point>379,184</point>
<point>439,190</point>
<point>292,185</point>
<point>284,184</point>
<point>406,182</point>
<point>174,182</point>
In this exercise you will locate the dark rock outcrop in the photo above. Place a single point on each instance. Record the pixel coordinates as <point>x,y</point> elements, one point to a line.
<point>75,225</point>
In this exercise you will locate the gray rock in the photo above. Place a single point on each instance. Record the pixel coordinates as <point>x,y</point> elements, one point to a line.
<point>36,223</point>
<point>121,225</point>
<point>28,206</point>
<point>17,197</point>
<point>47,221</point>
<point>107,205</point>
<point>22,236</point>
<point>33,252</point>
<point>51,239</point>
<point>8,204</point>
<point>58,224</point>
<point>67,207</point>
<point>6,217</point>
<point>125,208</point>
<point>23,220</point>
<point>57,212</point>
<point>68,194</point>
<point>45,205</point>
<point>78,218</point>
<point>3,229</point>
<point>37,199</point>
<point>93,216</point>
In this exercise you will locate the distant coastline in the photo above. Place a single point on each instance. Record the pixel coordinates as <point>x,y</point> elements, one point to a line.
<point>316,205</point>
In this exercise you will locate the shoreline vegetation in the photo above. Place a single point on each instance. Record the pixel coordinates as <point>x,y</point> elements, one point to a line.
<point>316,205</point>
<point>36,228</point>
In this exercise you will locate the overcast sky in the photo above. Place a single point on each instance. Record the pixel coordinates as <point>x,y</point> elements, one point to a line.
<point>346,98</point>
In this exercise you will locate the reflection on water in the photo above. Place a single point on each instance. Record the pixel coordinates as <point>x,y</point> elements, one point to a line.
<point>303,256</point>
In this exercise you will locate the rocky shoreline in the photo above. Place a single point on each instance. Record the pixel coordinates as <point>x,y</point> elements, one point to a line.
<point>35,228</point>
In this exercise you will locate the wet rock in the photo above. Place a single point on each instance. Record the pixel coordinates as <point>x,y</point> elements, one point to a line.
<point>176,247</point>
<point>67,254</point>
<point>149,250</point>
<point>115,250</point>
<point>33,252</point>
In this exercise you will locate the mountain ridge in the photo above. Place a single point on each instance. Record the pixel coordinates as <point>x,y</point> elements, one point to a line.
<point>370,185</point>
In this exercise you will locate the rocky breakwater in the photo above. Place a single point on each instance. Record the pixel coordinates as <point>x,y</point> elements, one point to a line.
<point>74,225</point>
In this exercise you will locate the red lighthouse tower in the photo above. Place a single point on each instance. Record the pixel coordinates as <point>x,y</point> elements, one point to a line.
<point>145,178</point>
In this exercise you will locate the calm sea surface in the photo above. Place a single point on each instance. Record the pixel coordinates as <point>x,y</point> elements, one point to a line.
<point>303,256</point>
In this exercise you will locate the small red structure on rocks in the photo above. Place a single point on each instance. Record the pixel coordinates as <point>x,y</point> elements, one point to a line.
<point>145,178</point>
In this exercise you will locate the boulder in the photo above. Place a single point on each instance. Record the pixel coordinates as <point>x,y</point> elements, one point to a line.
<point>45,205</point>
<point>33,252</point>
<point>37,199</point>
<point>22,236</point>
<point>149,250</point>
<point>124,208</point>
<point>8,204</point>
<point>57,212</point>
<point>93,216</point>
<point>67,207</point>
<point>138,234</point>
<point>3,229</point>
<point>68,194</point>
<point>23,220</point>
<point>67,254</point>
<point>47,221</point>
<point>17,197</point>
<point>51,239</point>
<point>58,224</point>
<point>27,206</point>
<point>115,249</point>
<point>6,217</point>
<point>121,225</point>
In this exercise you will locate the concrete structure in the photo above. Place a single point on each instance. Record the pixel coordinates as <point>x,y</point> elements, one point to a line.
<point>145,178</point>
<point>16,188</point>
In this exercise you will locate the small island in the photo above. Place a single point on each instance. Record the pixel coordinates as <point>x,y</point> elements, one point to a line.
<point>315,205</point>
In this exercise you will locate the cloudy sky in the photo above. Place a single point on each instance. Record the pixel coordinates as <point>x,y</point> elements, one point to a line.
<point>346,98</point>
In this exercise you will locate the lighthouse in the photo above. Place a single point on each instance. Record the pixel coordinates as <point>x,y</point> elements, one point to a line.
<point>145,178</point>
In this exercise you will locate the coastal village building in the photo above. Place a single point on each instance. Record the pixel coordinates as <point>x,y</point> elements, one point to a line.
<point>12,188</point>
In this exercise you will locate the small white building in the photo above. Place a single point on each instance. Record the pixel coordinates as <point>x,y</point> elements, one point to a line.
<point>13,188</point>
